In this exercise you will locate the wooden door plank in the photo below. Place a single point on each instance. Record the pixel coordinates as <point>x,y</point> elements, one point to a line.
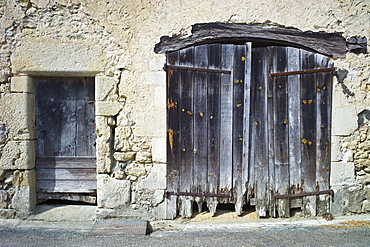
<point>66,186</point>
<point>246,116</point>
<point>281,131</point>
<point>271,66</point>
<point>85,116</point>
<point>308,132</point>
<point>259,159</point>
<point>65,174</point>
<point>213,109</point>
<point>201,116</point>
<point>226,122</point>
<point>294,109</point>
<point>323,104</point>
<point>67,116</point>
<point>66,162</point>
<point>173,129</point>
<point>238,114</point>
<point>186,58</point>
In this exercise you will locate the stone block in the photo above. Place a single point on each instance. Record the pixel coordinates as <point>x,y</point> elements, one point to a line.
<point>108,108</point>
<point>336,154</point>
<point>160,211</point>
<point>136,170</point>
<point>342,173</point>
<point>344,121</point>
<point>24,199</point>
<point>156,179</point>
<point>104,159</point>
<point>113,193</point>
<point>124,156</point>
<point>159,150</point>
<point>104,86</point>
<point>18,155</point>
<point>121,138</point>
<point>22,84</point>
<point>54,59</point>
<point>143,157</point>
<point>20,116</point>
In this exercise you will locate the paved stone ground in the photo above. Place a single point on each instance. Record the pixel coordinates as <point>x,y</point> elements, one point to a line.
<point>223,230</point>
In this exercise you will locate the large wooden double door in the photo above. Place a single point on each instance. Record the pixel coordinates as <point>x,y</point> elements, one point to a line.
<point>248,125</point>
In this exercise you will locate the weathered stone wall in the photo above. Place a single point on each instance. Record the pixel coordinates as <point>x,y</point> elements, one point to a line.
<point>114,41</point>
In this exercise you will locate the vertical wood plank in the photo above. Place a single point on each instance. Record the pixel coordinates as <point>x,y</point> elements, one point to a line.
<point>281,131</point>
<point>173,129</point>
<point>200,124</point>
<point>271,65</point>
<point>247,122</point>
<point>226,122</point>
<point>323,104</point>
<point>238,113</point>
<point>200,121</point>
<point>259,160</point>
<point>294,109</point>
<point>308,132</point>
<point>186,58</point>
<point>213,109</point>
<point>85,117</point>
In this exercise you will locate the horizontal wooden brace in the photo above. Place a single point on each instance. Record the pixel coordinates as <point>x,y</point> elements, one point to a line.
<point>309,71</point>
<point>166,67</point>
<point>330,192</point>
<point>195,194</point>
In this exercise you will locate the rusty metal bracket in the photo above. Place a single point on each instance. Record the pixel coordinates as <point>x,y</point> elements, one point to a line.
<point>167,67</point>
<point>330,192</point>
<point>309,71</point>
<point>167,193</point>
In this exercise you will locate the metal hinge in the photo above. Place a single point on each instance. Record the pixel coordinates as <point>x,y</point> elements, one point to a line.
<point>167,193</point>
<point>167,67</point>
<point>308,71</point>
<point>330,192</point>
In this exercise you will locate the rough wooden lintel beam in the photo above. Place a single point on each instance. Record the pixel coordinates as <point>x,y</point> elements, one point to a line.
<point>330,44</point>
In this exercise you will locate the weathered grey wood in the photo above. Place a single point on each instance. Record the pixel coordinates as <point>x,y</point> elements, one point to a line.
<point>65,174</point>
<point>66,186</point>
<point>201,116</point>
<point>238,119</point>
<point>65,135</point>
<point>280,104</point>
<point>173,129</point>
<point>214,123</point>
<point>226,122</point>
<point>271,61</point>
<point>246,121</point>
<point>85,118</point>
<point>323,85</point>
<point>258,154</point>
<point>59,162</point>
<point>308,132</point>
<point>294,106</point>
<point>330,44</point>
<point>186,58</point>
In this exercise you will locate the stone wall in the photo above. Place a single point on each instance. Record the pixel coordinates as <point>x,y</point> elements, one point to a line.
<point>114,41</point>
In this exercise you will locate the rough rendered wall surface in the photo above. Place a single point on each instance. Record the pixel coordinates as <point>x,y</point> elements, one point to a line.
<point>114,41</point>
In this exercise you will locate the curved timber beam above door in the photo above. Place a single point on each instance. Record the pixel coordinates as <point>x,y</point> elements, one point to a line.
<point>330,44</point>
